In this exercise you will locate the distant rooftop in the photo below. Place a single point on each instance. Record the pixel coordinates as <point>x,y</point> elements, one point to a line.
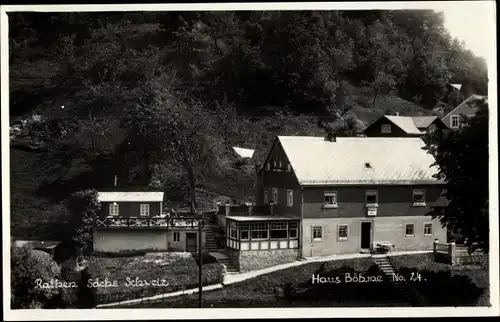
<point>406,123</point>
<point>244,153</point>
<point>423,121</point>
<point>37,244</point>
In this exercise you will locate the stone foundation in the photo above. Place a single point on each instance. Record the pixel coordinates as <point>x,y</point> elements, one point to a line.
<point>258,259</point>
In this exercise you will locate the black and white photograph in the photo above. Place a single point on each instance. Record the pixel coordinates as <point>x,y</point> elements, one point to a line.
<point>305,159</point>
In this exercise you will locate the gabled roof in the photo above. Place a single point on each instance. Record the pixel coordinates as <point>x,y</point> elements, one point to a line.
<point>423,121</point>
<point>243,153</point>
<point>130,196</point>
<point>468,100</point>
<point>359,160</point>
<point>406,123</point>
<point>456,86</point>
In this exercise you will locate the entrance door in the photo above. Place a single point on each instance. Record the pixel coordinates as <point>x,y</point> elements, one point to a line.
<point>191,242</point>
<point>366,235</point>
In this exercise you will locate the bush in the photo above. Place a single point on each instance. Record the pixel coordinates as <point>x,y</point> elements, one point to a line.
<point>30,268</point>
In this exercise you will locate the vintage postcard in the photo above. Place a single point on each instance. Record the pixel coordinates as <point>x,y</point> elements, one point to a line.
<point>289,159</point>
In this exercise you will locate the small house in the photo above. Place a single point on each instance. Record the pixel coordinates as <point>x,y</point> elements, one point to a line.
<point>135,220</point>
<point>404,126</point>
<point>468,108</point>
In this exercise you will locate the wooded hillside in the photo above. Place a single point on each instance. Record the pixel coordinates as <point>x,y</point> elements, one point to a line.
<point>160,98</point>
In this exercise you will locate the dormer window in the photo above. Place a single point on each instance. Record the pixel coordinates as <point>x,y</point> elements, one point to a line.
<point>385,128</point>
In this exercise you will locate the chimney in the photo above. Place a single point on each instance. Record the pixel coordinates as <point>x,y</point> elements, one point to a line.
<point>331,136</point>
<point>116,180</point>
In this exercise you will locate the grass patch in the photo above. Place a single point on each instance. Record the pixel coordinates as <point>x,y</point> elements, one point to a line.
<point>446,285</point>
<point>178,270</point>
<point>293,287</point>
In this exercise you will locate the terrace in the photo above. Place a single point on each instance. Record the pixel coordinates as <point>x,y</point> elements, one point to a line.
<point>148,222</point>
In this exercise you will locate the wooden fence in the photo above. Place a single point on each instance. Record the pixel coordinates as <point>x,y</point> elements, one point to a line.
<point>453,254</point>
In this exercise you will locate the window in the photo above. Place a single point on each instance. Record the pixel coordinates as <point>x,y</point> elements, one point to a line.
<point>317,233</point>
<point>114,209</point>
<point>177,237</point>
<point>385,128</point>
<point>455,121</point>
<point>268,166</point>
<point>233,233</point>
<point>289,168</point>
<point>244,231</point>
<point>342,232</point>
<point>281,166</point>
<point>419,197</point>
<point>266,197</point>
<point>144,209</point>
<point>293,230</point>
<point>275,165</point>
<point>330,199</point>
<point>275,195</point>
<point>289,199</point>
<point>427,229</point>
<point>409,230</point>
<point>432,128</point>
<point>259,231</point>
<point>279,230</point>
<point>371,197</point>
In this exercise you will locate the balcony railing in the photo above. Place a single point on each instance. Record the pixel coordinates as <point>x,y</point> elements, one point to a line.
<point>142,222</point>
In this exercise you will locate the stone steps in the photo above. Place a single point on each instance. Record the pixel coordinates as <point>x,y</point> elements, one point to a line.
<point>230,265</point>
<point>403,287</point>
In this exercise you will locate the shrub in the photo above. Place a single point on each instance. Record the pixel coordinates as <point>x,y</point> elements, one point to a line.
<point>84,208</point>
<point>29,268</point>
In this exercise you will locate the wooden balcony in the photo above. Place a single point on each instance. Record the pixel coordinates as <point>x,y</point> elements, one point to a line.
<point>147,222</point>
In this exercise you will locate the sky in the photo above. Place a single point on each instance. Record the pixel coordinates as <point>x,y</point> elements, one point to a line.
<point>473,23</point>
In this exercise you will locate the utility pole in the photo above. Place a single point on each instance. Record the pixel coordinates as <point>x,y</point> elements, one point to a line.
<point>200,263</point>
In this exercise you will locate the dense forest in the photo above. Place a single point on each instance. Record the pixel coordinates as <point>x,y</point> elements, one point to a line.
<point>159,98</point>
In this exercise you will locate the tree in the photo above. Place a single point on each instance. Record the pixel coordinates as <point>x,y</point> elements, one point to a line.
<point>462,158</point>
<point>30,268</point>
<point>182,131</point>
<point>84,207</point>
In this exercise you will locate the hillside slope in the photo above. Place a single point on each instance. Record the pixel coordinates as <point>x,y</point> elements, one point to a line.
<point>258,74</point>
